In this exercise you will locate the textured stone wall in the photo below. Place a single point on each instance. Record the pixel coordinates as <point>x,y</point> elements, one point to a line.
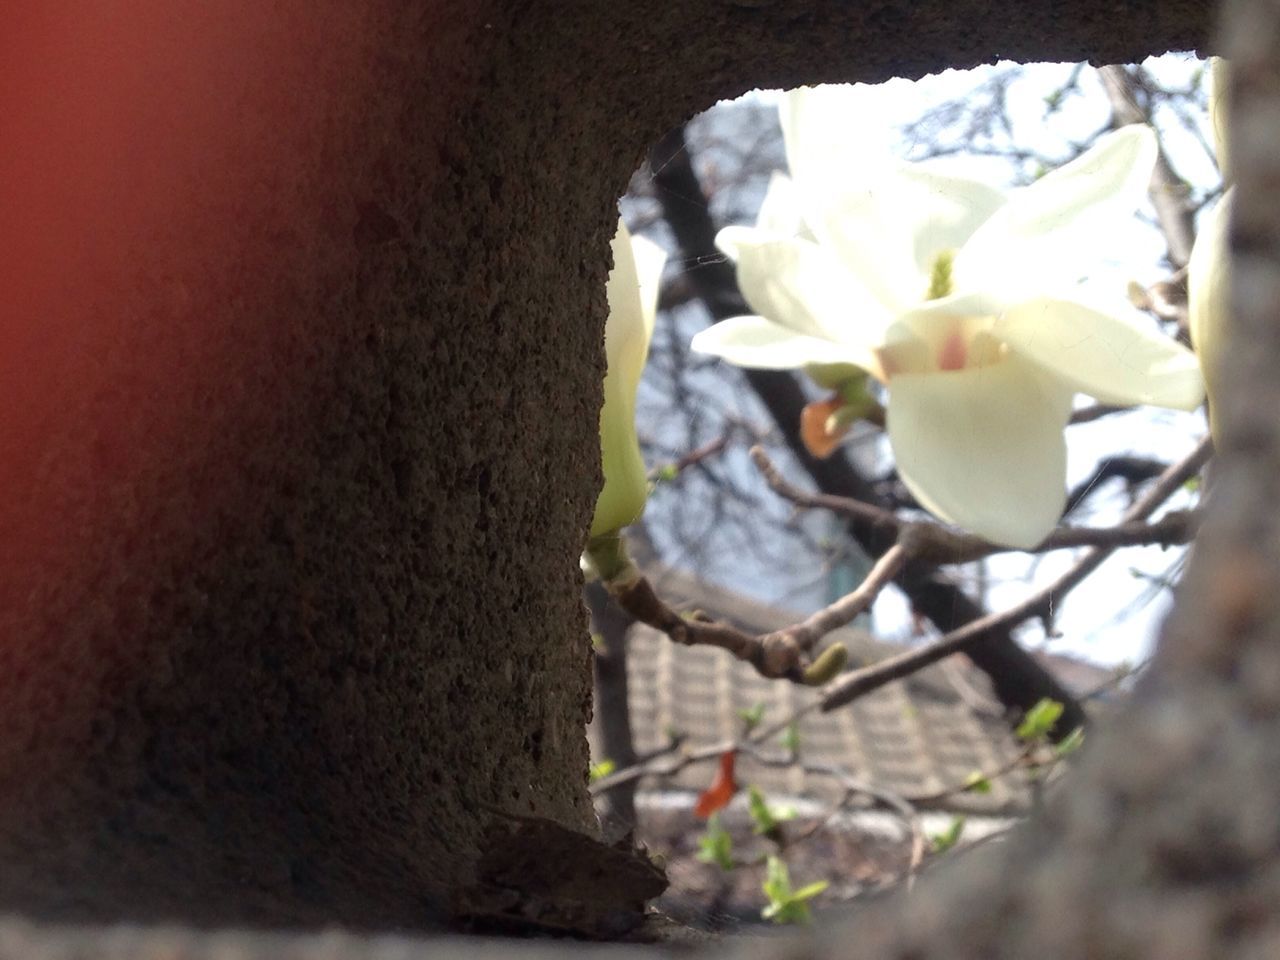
<point>300,368</point>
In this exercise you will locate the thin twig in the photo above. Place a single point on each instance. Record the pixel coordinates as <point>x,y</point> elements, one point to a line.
<point>899,804</point>
<point>809,631</point>
<point>1168,191</point>
<point>692,458</point>
<point>1040,604</point>
<point>1132,470</point>
<point>895,802</point>
<point>869,514</point>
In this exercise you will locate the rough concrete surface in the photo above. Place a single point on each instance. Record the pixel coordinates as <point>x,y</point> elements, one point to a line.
<point>301,369</point>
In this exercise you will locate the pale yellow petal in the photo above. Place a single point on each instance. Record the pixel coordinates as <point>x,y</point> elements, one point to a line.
<point>983,448</point>
<point>761,344</point>
<point>801,285</point>
<point>1051,231</point>
<point>1111,357</point>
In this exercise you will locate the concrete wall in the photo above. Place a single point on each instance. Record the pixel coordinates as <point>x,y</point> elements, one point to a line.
<point>300,370</point>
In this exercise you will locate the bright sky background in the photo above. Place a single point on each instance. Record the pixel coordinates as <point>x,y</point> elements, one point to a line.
<point>1114,615</point>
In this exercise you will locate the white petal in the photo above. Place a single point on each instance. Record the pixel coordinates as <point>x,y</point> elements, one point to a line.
<point>780,210</point>
<point>887,219</point>
<point>851,196</point>
<point>650,259</point>
<point>761,344</point>
<point>821,129</point>
<point>1102,354</point>
<point>1053,227</point>
<point>946,210</point>
<point>801,285</point>
<point>626,334</point>
<point>871,235</point>
<point>1219,87</point>
<point>983,448</point>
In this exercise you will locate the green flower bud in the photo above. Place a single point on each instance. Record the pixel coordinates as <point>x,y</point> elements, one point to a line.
<point>827,666</point>
<point>830,376</point>
<point>632,292</point>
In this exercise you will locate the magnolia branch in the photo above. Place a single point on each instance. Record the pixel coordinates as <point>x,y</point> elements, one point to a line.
<point>1040,604</point>
<point>787,653</point>
<point>934,543</point>
<point>1168,190</point>
<point>694,457</point>
<point>781,654</point>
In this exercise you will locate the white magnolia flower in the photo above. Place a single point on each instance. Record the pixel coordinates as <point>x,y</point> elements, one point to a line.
<point>632,292</point>
<point>963,300</point>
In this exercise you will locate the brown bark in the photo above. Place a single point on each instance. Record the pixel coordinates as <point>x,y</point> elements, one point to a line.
<point>617,809</point>
<point>300,374</point>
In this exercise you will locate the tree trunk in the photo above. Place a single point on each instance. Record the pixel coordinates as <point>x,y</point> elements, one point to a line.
<point>299,363</point>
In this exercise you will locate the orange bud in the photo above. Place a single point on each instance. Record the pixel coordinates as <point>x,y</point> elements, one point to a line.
<point>814,421</point>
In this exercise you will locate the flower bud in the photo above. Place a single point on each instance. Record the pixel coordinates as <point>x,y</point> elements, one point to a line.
<point>632,291</point>
<point>1219,83</point>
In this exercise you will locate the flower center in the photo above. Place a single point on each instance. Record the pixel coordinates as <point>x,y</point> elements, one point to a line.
<point>940,276</point>
<point>954,351</point>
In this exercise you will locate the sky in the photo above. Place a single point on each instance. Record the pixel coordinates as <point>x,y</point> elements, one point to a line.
<point>1113,617</point>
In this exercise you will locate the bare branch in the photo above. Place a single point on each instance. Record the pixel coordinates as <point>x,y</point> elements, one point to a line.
<point>809,631</point>
<point>860,682</point>
<point>1169,192</point>
<point>935,543</point>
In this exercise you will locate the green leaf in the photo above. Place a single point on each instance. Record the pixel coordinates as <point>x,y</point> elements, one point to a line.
<point>942,842</point>
<point>751,716</point>
<point>784,813</point>
<point>601,770</point>
<point>761,815</point>
<point>1039,720</point>
<point>811,890</point>
<point>1072,742</point>
<point>777,880</point>
<point>666,473</point>
<point>791,738</point>
<point>787,905</point>
<point>977,783</point>
<point>597,642</point>
<point>788,911</point>
<point>716,846</point>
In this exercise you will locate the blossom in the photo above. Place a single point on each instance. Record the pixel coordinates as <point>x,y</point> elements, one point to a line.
<point>962,300</point>
<point>632,292</point>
